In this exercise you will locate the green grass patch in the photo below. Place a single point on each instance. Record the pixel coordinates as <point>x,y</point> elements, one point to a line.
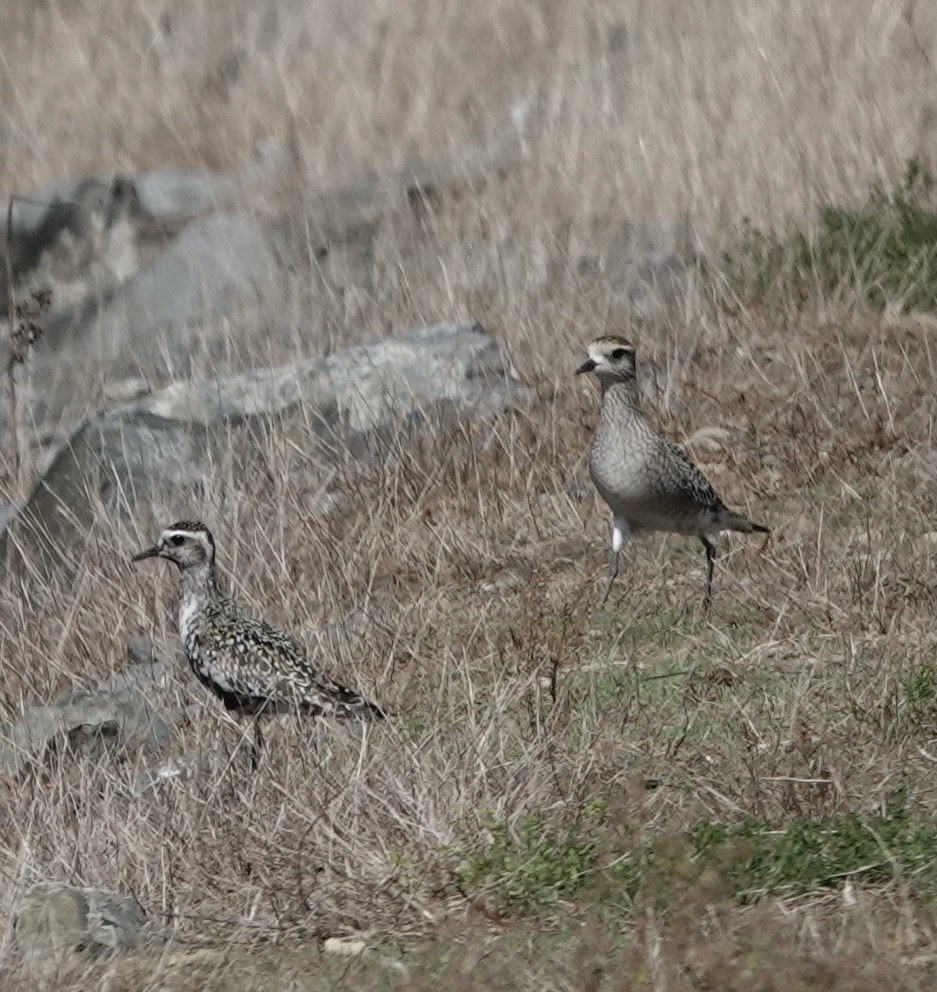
<point>663,627</point>
<point>538,864</point>
<point>883,249</point>
<point>527,868</point>
<point>669,673</point>
<point>669,628</point>
<point>755,861</point>
<point>920,689</point>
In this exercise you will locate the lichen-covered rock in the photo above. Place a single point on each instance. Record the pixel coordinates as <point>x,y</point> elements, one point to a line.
<point>54,919</point>
<point>120,712</point>
<point>363,399</point>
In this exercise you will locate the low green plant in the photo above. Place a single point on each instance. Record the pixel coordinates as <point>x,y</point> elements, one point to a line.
<point>757,861</point>
<point>920,689</point>
<point>884,250</point>
<point>531,868</point>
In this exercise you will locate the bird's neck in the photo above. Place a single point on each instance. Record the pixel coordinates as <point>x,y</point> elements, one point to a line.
<point>621,393</point>
<point>199,583</point>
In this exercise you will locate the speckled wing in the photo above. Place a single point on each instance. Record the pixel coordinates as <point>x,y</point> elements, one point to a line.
<point>255,667</point>
<point>692,483</point>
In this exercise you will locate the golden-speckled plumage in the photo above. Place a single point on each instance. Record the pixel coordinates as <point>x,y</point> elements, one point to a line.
<point>253,667</point>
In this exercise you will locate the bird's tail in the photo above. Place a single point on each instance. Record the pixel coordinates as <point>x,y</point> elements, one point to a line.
<point>730,520</point>
<point>350,705</point>
<point>737,522</point>
<point>363,709</point>
<point>345,704</point>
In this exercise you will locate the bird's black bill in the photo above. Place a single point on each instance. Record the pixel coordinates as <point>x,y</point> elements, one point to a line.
<point>588,366</point>
<point>148,553</point>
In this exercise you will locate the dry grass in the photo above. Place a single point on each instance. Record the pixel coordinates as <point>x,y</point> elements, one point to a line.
<point>478,554</point>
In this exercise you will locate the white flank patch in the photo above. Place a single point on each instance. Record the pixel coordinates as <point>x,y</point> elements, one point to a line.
<point>619,531</point>
<point>188,613</point>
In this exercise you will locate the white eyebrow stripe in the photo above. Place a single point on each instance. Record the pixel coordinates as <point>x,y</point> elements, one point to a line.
<point>167,534</point>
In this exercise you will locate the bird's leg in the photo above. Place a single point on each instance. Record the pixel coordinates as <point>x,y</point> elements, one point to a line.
<point>710,558</point>
<point>621,532</point>
<point>257,745</point>
<point>612,574</point>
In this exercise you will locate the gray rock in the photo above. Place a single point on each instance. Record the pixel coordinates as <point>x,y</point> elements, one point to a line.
<point>364,398</point>
<point>173,193</point>
<point>335,214</point>
<point>53,919</point>
<point>654,283</point>
<point>119,711</point>
<point>103,252</point>
<point>141,650</point>
<point>171,197</point>
<point>216,263</point>
<point>189,253</point>
<point>30,209</point>
<point>81,248</point>
<point>151,667</point>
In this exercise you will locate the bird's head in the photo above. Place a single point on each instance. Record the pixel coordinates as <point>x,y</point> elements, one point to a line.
<point>187,543</point>
<point>611,359</point>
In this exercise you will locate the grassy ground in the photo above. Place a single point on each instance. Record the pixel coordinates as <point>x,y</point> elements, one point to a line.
<point>569,796</point>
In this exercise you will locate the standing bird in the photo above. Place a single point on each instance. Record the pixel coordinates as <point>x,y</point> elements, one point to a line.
<point>250,665</point>
<point>648,483</point>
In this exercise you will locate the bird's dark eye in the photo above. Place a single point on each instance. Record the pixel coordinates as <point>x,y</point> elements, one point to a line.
<point>177,539</point>
<point>619,353</point>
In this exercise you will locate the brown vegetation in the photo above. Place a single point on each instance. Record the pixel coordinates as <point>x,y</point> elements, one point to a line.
<point>479,552</point>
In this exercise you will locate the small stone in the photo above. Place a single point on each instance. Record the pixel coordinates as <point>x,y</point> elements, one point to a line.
<point>140,648</point>
<point>123,390</point>
<point>165,771</point>
<point>345,948</point>
<point>397,968</point>
<point>179,769</point>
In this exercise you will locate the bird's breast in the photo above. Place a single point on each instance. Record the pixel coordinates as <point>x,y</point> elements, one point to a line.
<point>619,464</point>
<point>189,614</point>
